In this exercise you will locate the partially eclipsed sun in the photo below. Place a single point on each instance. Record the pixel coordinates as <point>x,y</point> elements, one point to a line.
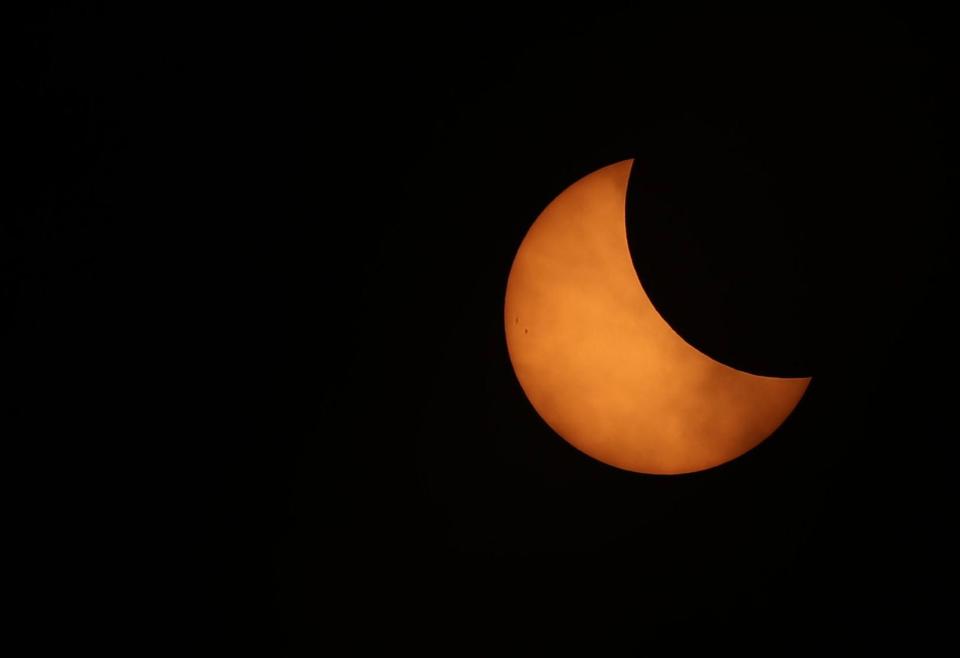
<point>601,366</point>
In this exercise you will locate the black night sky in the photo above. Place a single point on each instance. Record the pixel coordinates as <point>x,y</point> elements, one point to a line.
<point>255,268</point>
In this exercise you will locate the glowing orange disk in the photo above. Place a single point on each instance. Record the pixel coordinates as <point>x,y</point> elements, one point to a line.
<point>601,366</point>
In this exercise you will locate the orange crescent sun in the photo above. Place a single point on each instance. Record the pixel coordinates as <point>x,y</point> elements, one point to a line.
<point>603,368</point>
